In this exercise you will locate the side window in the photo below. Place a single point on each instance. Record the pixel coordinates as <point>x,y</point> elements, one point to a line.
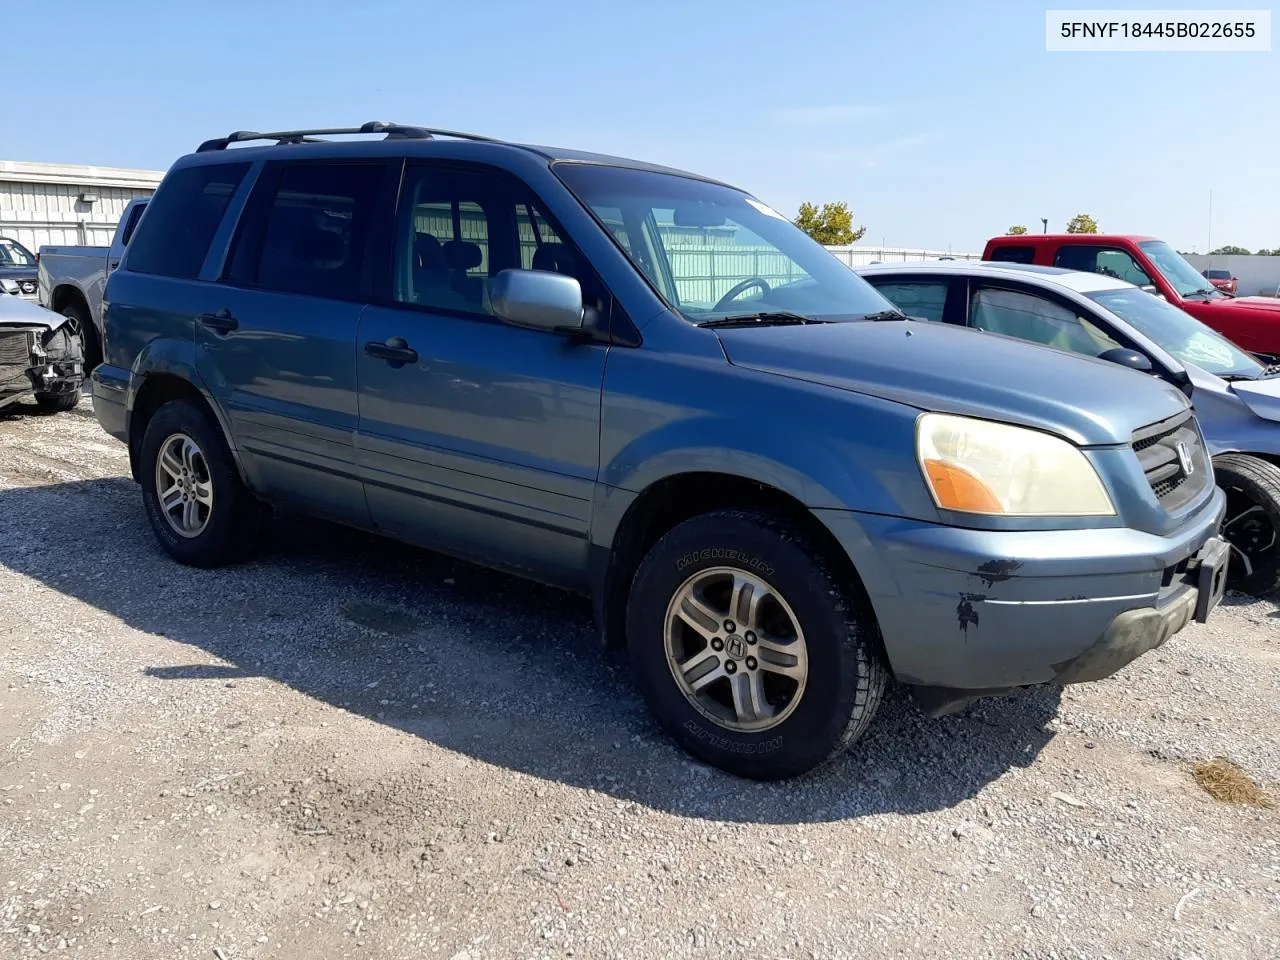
<point>1111,261</point>
<point>185,213</point>
<point>1029,317</point>
<point>456,229</point>
<point>310,231</point>
<point>1014,254</point>
<point>918,298</point>
<point>132,224</point>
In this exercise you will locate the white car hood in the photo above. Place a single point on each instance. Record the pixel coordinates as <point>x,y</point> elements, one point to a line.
<point>16,312</point>
<point>1260,396</point>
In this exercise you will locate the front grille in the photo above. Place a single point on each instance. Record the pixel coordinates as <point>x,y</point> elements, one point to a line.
<point>15,349</point>
<point>1172,456</point>
<point>28,287</point>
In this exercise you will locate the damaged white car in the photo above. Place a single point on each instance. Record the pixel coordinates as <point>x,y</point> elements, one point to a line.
<point>41,355</point>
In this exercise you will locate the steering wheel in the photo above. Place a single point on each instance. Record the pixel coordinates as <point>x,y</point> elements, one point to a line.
<point>741,288</point>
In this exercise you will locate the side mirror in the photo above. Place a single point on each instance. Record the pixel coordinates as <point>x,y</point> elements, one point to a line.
<point>1127,358</point>
<point>538,299</point>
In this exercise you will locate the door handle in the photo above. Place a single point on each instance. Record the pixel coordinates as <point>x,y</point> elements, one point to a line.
<point>220,322</point>
<point>395,351</point>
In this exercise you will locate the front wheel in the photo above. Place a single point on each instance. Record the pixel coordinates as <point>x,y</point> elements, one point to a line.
<point>57,402</point>
<point>1252,523</point>
<point>748,647</point>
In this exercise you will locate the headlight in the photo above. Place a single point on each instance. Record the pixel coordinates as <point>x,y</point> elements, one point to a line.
<point>976,466</point>
<point>9,286</point>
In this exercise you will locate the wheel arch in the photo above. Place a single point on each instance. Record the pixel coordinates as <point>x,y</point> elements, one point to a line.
<point>667,502</point>
<point>148,392</point>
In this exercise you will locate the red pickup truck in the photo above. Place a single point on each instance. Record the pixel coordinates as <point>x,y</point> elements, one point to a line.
<point>1252,322</point>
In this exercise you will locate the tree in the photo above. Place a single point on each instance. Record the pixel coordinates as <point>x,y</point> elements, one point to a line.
<point>1228,251</point>
<point>1082,223</point>
<point>831,226</point>
<point>1268,253</point>
<point>1017,231</point>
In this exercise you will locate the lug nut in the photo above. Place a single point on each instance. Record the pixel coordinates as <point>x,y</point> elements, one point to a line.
<point>750,637</point>
<point>730,626</point>
<point>717,644</point>
<point>730,667</point>
<point>751,663</point>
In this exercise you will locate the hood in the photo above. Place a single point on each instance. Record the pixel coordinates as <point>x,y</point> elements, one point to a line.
<point>947,369</point>
<point>16,312</point>
<point>1262,397</point>
<point>1265,304</point>
<point>18,273</point>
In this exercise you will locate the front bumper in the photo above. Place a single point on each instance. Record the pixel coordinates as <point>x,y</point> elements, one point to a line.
<point>36,363</point>
<point>980,612</point>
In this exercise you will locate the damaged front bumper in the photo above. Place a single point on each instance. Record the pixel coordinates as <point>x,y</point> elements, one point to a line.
<point>969,613</point>
<point>39,361</point>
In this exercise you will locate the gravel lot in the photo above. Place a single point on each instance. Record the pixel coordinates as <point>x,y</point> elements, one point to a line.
<point>349,748</point>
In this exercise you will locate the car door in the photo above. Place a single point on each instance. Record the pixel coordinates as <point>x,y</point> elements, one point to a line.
<point>1023,312</point>
<point>477,437</point>
<point>279,353</point>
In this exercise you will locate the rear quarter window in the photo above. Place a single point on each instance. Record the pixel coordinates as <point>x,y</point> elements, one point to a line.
<point>1014,254</point>
<point>173,239</point>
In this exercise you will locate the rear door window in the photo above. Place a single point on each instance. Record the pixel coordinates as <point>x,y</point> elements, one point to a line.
<point>184,214</point>
<point>309,229</point>
<point>918,298</point>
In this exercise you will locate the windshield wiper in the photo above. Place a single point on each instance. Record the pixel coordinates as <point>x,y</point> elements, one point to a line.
<point>884,315</point>
<point>772,318</point>
<point>1205,292</point>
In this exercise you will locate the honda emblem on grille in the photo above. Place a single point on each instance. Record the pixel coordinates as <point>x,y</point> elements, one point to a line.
<point>1184,458</point>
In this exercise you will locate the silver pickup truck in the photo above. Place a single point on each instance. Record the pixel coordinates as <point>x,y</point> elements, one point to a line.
<point>71,280</point>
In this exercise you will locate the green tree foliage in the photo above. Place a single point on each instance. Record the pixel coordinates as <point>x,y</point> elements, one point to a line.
<point>1229,250</point>
<point>1268,253</point>
<point>1017,230</point>
<point>1082,223</point>
<point>831,226</point>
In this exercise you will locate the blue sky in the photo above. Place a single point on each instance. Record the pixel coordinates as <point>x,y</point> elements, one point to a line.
<point>939,123</point>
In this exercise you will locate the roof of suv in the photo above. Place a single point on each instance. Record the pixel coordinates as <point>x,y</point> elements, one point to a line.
<point>1038,239</point>
<point>1081,281</point>
<point>407,141</point>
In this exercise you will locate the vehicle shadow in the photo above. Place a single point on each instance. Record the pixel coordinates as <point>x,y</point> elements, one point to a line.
<point>496,668</point>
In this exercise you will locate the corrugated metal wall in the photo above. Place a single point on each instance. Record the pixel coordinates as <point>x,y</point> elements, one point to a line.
<point>37,214</point>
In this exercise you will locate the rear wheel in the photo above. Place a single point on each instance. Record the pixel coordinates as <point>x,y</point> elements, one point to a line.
<point>1252,522</point>
<point>751,651</point>
<point>201,512</point>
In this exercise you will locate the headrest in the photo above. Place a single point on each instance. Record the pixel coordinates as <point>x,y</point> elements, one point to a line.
<point>554,257</point>
<point>427,250</point>
<point>317,244</point>
<point>461,255</point>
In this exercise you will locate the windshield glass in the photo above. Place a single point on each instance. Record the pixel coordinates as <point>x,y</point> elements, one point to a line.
<point>14,254</point>
<point>1178,332</point>
<point>1181,275</point>
<point>1218,274</point>
<point>713,251</point>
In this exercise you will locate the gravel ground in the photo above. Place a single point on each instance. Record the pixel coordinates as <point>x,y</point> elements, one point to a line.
<point>348,748</point>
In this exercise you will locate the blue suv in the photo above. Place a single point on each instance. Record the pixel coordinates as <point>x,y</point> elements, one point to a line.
<point>650,387</point>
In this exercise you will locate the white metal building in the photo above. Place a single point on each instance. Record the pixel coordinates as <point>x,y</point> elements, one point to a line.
<point>54,203</point>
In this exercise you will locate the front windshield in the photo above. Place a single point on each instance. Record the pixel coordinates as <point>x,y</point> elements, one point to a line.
<point>1178,332</point>
<point>1181,275</point>
<point>1218,274</point>
<point>14,254</point>
<point>713,251</point>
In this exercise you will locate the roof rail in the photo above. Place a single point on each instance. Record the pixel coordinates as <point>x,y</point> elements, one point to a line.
<point>393,131</point>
